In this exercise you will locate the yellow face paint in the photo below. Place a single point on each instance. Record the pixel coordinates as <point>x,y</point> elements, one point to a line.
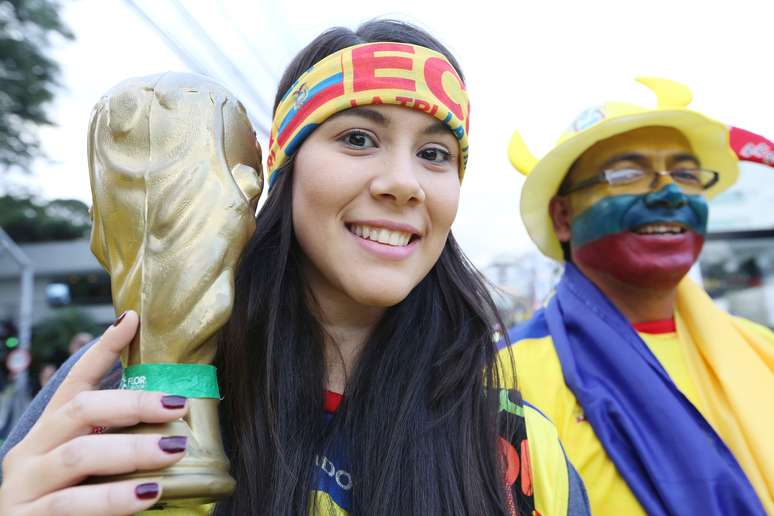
<point>648,148</point>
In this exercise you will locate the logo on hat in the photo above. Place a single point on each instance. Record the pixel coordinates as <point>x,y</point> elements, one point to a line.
<point>588,118</point>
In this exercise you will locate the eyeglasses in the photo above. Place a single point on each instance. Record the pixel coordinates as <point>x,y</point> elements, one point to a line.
<point>689,180</point>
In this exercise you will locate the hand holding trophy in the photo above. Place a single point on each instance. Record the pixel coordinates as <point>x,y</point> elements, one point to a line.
<point>175,174</point>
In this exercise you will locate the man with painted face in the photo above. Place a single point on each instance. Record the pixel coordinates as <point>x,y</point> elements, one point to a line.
<point>664,402</point>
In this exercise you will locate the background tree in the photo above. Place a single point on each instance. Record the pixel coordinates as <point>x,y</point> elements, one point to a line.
<point>51,336</point>
<point>28,77</point>
<point>26,220</point>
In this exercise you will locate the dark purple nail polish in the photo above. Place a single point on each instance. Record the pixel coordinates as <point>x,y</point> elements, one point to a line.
<point>147,491</point>
<point>173,402</point>
<point>173,443</point>
<point>119,319</point>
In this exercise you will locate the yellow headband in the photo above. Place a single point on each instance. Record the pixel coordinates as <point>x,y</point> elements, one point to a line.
<point>373,73</point>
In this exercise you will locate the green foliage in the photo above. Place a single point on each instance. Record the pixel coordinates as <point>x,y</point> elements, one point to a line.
<point>28,221</point>
<point>28,77</point>
<point>51,336</point>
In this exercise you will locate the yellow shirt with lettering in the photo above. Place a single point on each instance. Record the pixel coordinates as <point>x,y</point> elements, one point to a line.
<point>541,383</point>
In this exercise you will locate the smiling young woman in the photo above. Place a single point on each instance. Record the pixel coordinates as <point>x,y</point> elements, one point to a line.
<point>358,370</point>
<point>360,289</point>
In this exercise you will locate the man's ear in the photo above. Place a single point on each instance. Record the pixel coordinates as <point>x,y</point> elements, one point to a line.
<point>559,209</point>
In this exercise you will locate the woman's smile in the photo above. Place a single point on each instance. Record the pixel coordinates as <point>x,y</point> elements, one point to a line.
<point>385,250</point>
<point>385,239</point>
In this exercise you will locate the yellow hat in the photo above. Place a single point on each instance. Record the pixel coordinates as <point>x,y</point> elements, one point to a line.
<point>708,138</point>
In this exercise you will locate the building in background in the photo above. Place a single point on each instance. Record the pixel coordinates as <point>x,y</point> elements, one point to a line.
<point>522,284</point>
<point>737,263</point>
<point>66,275</point>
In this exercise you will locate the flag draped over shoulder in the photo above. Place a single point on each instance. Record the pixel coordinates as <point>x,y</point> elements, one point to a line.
<point>673,458</point>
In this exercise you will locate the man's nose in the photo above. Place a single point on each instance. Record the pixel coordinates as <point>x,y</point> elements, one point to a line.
<point>669,196</point>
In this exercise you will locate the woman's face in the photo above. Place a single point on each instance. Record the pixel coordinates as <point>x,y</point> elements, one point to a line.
<point>375,191</point>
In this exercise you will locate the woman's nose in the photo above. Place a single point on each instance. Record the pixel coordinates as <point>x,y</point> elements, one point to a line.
<point>398,181</point>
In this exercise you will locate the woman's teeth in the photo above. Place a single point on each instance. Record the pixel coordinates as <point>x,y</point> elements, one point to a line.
<point>660,229</point>
<point>381,235</point>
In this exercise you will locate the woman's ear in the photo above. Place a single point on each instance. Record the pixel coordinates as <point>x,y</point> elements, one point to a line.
<point>559,209</point>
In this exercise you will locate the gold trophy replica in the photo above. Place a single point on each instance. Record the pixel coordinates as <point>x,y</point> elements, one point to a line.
<point>175,176</point>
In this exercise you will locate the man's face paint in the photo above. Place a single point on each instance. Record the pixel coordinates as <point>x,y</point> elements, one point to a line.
<point>647,239</point>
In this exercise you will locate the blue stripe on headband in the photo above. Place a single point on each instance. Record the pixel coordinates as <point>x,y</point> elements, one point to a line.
<point>292,147</point>
<point>333,79</point>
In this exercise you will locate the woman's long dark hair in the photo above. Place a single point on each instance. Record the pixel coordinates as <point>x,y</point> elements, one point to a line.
<point>419,430</point>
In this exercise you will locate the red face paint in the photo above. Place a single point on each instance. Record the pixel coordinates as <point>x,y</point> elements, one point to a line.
<point>647,261</point>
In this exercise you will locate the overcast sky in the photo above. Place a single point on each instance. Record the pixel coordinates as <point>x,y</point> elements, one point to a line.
<point>530,65</point>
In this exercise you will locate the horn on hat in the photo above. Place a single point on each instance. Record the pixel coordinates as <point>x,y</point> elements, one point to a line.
<point>670,94</point>
<point>521,157</point>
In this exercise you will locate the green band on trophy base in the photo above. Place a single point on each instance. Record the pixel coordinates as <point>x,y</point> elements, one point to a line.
<point>189,380</point>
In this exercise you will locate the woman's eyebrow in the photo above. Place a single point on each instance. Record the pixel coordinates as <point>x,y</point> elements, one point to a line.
<point>364,112</point>
<point>437,127</point>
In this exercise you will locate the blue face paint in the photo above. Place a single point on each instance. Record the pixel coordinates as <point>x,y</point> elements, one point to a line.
<point>618,213</point>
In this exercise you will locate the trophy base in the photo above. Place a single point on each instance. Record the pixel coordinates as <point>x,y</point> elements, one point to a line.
<point>189,490</point>
<point>202,475</point>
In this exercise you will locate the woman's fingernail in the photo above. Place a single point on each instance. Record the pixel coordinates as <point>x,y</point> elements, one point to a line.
<point>173,443</point>
<point>173,402</point>
<point>147,491</point>
<point>119,319</point>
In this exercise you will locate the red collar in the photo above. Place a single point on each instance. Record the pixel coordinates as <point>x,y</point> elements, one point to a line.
<point>662,326</point>
<point>331,401</point>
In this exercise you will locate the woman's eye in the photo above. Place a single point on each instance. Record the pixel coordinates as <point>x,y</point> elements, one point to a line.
<point>358,140</point>
<point>435,155</point>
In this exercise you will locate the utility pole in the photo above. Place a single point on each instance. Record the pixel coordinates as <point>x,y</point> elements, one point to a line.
<point>21,396</point>
<point>24,323</point>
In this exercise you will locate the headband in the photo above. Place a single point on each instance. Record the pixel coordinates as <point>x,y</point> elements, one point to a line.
<point>373,73</point>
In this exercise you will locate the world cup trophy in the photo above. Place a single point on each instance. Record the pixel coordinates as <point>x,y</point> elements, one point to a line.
<point>175,176</point>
